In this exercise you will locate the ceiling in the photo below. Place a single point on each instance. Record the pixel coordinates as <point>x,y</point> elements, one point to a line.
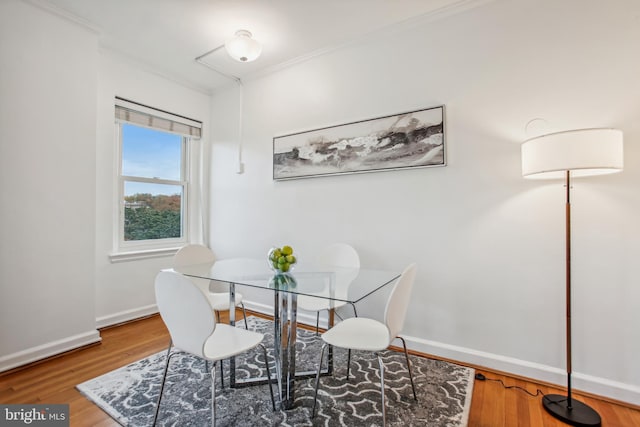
<point>167,35</point>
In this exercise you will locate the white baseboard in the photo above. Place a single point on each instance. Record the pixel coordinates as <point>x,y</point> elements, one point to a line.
<point>43,351</point>
<point>599,386</point>
<point>258,307</point>
<point>125,316</point>
<point>302,317</point>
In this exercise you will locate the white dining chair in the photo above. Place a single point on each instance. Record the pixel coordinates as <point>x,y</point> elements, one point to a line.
<point>334,255</point>
<point>200,254</point>
<point>193,329</point>
<point>361,333</point>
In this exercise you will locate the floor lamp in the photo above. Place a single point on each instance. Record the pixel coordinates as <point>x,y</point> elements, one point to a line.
<point>570,155</point>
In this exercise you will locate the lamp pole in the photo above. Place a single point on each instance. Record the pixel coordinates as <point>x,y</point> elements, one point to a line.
<point>568,284</point>
<point>564,408</point>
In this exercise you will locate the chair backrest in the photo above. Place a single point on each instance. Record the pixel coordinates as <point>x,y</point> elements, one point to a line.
<point>339,255</point>
<point>396,309</point>
<point>185,310</point>
<point>193,254</point>
<point>344,256</point>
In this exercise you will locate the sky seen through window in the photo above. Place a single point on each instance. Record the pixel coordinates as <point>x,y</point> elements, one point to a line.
<point>150,153</point>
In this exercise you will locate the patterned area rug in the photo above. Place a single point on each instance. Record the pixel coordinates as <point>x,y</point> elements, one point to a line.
<point>444,390</point>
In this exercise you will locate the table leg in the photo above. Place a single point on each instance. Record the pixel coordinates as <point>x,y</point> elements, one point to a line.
<point>276,339</point>
<point>285,324</point>
<point>330,324</point>
<point>232,322</point>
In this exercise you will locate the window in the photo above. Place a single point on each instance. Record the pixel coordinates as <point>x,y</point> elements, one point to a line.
<point>153,186</point>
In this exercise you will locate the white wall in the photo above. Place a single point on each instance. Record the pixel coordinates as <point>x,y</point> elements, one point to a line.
<point>489,244</point>
<point>58,162</point>
<point>47,180</point>
<point>124,290</point>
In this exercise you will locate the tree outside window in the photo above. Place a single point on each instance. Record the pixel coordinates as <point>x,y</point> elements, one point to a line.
<point>153,184</point>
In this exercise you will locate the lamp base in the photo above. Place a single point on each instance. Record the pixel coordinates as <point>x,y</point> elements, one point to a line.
<point>578,415</point>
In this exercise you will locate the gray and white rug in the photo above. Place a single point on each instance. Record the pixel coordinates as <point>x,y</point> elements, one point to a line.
<point>444,390</point>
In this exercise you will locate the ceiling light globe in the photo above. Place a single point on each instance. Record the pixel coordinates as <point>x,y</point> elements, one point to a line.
<point>243,47</point>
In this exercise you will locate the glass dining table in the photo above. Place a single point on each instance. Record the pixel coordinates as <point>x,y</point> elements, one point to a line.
<point>337,284</point>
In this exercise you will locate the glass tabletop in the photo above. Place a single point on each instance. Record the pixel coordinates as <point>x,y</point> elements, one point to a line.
<point>335,283</point>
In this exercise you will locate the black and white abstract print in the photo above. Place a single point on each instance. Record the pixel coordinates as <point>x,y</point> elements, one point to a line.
<point>407,140</point>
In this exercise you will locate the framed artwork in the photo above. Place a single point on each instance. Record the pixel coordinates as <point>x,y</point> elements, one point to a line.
<point>408,140</point>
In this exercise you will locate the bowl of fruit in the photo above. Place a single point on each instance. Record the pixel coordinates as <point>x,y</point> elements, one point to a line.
<point>281,260</point>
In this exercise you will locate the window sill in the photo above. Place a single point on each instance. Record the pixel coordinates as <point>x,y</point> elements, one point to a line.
<point>116,257</point>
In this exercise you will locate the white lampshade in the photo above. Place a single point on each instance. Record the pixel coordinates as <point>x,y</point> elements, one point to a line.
<point>583,152</point>
<point>243,47</point>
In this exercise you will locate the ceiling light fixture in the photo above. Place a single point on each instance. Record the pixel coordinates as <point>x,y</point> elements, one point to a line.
<point>243,47</point>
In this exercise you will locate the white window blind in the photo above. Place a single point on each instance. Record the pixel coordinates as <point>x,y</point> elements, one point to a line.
<point>143,115</point>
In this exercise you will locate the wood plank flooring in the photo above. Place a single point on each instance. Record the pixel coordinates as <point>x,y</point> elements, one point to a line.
<point>54,381</point>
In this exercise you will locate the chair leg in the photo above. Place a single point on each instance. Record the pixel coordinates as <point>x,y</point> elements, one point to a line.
<point>384,411</point>
<point>213,395</point>
<point>315,395</point>
<point>206,368</point>
<point>164,378</point>
<point>348,362</point>
<point>244,314</point>
<point>222,373</point>
<point>266,362</point>
<point>317,323</point>
<point>406,356</point>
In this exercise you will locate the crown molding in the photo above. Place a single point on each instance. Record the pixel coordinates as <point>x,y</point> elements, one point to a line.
<point>148,68</point>
<point>407,24</point>
<point>65,14</point>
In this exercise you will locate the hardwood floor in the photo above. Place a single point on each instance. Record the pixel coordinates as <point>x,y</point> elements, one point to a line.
<point>54,381</point>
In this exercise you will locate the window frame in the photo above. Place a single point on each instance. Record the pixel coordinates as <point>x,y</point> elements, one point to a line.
<point>136,249</point>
